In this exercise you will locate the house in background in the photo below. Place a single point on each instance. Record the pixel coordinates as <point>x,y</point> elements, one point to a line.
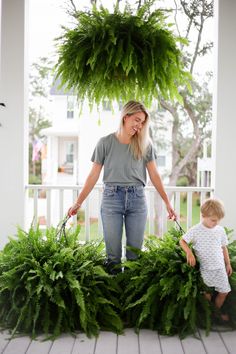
<point>73,135</point>
<point>72,138</point>
<point>70,143</point>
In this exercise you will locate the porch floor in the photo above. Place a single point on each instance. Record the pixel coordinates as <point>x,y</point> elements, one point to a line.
<point>146,342</point>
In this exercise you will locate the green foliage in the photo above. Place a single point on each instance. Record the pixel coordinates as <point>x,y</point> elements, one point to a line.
<point>53,284</point>
<point>121,56</point>
<point>162,292</point>
<point>34,179</point>
<point>40,77</point>
<point>229,305</point>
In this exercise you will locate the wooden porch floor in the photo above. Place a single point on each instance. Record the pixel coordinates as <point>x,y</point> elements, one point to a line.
<point>146,342</point>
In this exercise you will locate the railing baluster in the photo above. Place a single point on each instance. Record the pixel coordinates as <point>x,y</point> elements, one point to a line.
<point>48,194</point>
<point>74,218</point>
<point>61,203</point>
<point>151,212</point>
<point>177,204</point>
<point>35,222</point>
<point>203,191</point>
<point>202,197</point>
<point>87,217</point>
<point>164,217</point>
<point>189,209</point>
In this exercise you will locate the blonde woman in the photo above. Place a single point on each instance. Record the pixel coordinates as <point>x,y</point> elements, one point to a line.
<point>126,155</point>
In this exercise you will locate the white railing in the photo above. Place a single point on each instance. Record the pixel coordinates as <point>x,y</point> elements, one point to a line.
<point>48,205</point>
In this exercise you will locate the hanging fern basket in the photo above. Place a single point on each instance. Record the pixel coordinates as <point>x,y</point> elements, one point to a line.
<point>121,56</point>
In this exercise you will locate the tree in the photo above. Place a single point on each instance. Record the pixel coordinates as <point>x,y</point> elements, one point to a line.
<point>197,106</point>
<point>192,109</point>
<point>191,115</point>
<point>190,121</point>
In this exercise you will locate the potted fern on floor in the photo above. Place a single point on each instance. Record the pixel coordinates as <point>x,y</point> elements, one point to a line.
<point>51,285</point>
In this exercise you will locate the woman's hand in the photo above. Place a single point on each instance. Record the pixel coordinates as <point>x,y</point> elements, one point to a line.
<point>171,213</point>
<point>73,210</point>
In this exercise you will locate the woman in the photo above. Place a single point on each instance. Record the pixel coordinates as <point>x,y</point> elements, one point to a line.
<point>125,155</point>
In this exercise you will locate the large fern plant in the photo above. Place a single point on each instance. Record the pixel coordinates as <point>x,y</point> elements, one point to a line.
<point>55,285</point>
<point>162,292</point>
<point>121,56</point>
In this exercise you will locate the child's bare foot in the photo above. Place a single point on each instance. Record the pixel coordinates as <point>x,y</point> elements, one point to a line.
<point>224,317</point>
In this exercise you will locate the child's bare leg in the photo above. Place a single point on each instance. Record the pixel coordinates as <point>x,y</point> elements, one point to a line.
<point>220,299</point>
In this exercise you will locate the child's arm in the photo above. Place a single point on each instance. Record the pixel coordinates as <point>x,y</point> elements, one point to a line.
<point>191,260</point>
<point>227,260</point>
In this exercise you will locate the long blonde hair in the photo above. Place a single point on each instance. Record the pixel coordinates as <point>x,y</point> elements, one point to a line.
<point>139,142</point>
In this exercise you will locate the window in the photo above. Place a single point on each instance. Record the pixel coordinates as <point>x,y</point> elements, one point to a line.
<point>70,107</point>
<point>70,148</point>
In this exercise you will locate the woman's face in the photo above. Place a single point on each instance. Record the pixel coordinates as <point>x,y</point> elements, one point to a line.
<point>134,123</point>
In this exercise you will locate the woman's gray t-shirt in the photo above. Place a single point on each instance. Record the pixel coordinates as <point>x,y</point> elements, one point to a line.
<point>120,167</point>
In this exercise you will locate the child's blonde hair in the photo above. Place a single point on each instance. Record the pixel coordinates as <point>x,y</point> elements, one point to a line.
<point>213,207</point>
<point>139,142</point>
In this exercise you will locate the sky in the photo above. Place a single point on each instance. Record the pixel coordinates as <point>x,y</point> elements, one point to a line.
<point>45,20</point>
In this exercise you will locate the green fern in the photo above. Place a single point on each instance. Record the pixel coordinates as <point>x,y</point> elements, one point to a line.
<point>121,56</point>
<point>55,284</point>
<point>163,292</point>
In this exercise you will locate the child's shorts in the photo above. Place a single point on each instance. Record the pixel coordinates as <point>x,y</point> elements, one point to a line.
<point>216,278</point>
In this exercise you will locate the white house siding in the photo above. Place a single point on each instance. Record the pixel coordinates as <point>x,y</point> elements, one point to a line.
<point>90,131</point>
<point>84,130</point>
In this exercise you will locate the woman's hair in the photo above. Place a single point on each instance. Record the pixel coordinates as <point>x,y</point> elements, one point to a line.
<point>213,207</point>
<point>139,142</point>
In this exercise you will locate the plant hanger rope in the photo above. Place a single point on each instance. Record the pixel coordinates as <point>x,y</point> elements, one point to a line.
<point>180,227</point>
<point>62,228</point>
<point>121,55</point>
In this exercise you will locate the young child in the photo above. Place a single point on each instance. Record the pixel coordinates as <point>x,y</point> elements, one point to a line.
<point>209,242</point>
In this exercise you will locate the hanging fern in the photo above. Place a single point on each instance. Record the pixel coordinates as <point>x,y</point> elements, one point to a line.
<point>121,56</point>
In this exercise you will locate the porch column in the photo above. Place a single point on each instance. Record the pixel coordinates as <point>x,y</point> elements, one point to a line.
<point>13,117</point>
<point>224,104</point>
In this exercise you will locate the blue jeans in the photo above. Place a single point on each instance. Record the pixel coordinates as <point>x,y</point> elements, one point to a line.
<point>123,206</point>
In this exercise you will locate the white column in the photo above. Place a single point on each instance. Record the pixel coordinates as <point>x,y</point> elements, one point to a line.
<point>224,104</point>
<point>14,117</point>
